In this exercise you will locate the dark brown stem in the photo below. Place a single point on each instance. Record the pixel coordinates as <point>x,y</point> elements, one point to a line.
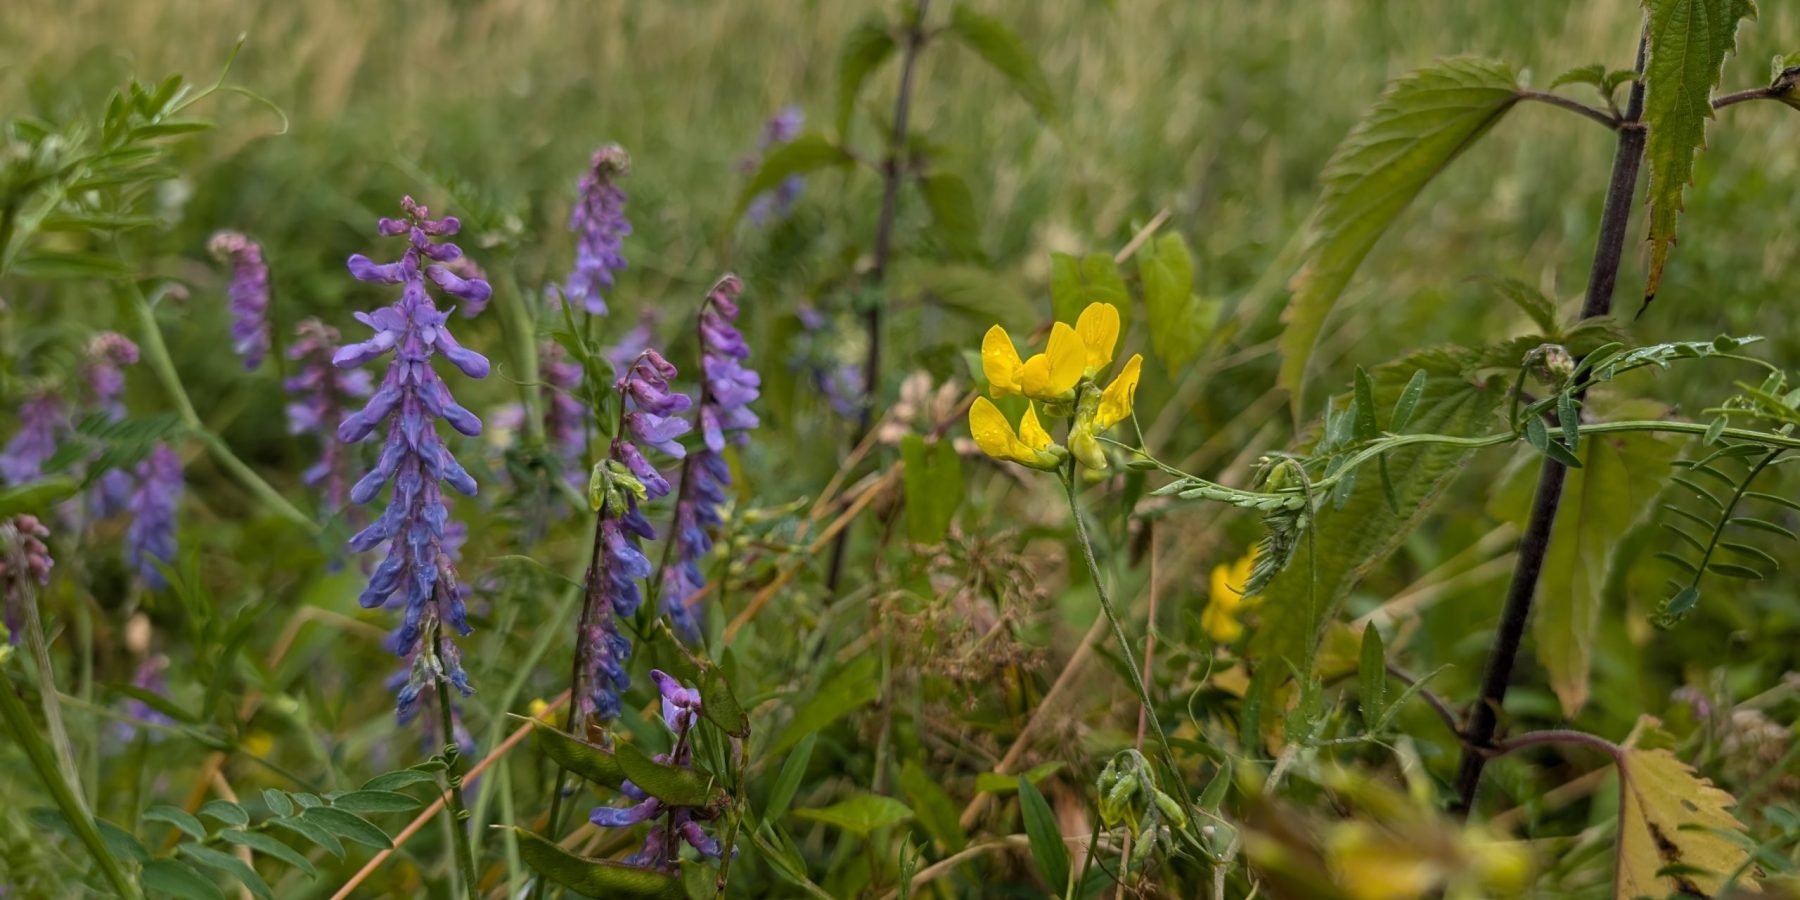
<point>1431,699</point>
<point>1761,93</point>
<point>891,175</point>
<point>1575,106</point>
<point>1534,544</point>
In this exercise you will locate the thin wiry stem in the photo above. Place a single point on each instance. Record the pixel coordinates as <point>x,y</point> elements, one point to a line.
<point>1575,106</point>
<point>453,780</point>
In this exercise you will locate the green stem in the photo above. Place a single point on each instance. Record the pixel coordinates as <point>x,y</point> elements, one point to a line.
<point>521,333</point>
<point>459,815</point>
<point>156,356</point>
<point>19,720</point>
<point>53,720</point>
<point>1118,629</point>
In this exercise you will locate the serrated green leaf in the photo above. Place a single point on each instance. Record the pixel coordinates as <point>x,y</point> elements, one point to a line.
<point>673,785</point>
<point>952,207</point>
<point>865,48</point>
<point>1532,301</point>
<point>860,813</point>
<point>1688,43</point>
<point>1601,501</point>
<point>933,487</point>
<point>1179,321</point>
<point>349,826</point>
<point>1593,73</point>
<point>377,801</point>
<point>312,832</point>
<point>177,880</point>
<point>178,817</point>
<point>269,846</point>
<point>1047,847</point>
<point>996,43</point>
<point>594,877</point>
<point>230,865</point>
<point>1423,121</point>
<point>227,812</point>
<point>934,809</point>
<point>809,152</point>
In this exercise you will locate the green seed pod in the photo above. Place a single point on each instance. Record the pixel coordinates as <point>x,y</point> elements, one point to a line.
<point>1171,810</point>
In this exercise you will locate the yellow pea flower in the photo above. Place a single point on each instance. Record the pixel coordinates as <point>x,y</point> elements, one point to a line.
<point>1000,362</point>
<point>1098,327</point>
<point>1051,376</point>
<point>1030,446</point>
<point>1099,412</point>
<point>1226,601</point>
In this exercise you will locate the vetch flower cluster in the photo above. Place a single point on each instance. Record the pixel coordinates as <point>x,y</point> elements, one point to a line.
<point>565,417</point>
<point>108,353</point>
<point>41,418</point>
<point>600,227</point>
<point>417,571</point>
<point>680,711</point>
<point>782,128</point>
<point>249,294</point>
<point>1063,378</point>
<point>150,538</point>
<point>320,393</point>
<point>24,560</point>
<point>727,388</point>
<point>652,418</point>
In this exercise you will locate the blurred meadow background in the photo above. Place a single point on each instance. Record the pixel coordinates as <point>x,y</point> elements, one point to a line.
<point>1220,114</point>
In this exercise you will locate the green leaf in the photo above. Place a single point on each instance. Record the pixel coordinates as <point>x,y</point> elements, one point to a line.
<point>1593,73</point>
<point>1372,675</point>
<point>36,497</point>
<point>349,826</point>
<point>1407,402</point>
<point>673,785</point>
<point>367,801</point>
<point>1213,796</point>
<point>935,811</point>
<point>1047,846</point>
<point>1689,40</point>
<point>1423,121</point>
<point>1540,308</point>
<point>178,817</point>
<point>277,802</point>
<point>1366,428</point>
<point>393,781</point>
<point>269,846</point>
<point>594,877</point>
<point>227,812</point>
<point>933,483</point>
<point>312,832</point>
<point>46,266</point>
<point>714,683</point>
<point>996,783</point>
<point>579,756</point>
<point>809,152</point>
<point>170,128</point>
<point>1094,278</point>
<point>860,813</point>
<point>980,294</point>
<point>1601,501</point>
<point>793,769</point>
<point>866,47</point>
<point>952,207</point>
<point>1365,530</point>
<point>1179,320</point>
<point>177,880</point>
<point>230,865</point>
<point>995,43</point>
<point>841,692</point>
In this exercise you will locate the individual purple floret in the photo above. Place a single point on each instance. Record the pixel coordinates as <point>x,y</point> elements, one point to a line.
<point>652,419</point>
<point>726,390</point>
<point>600,227</point>
<point>24,561</point>
<point>320,393</point>
<point>466,269</point>
<point>249,294</point>
<point>783,127</point>
<point>150,538</point>
<point>409,400</point>
<point>681,710</point>
<point>41,418</point>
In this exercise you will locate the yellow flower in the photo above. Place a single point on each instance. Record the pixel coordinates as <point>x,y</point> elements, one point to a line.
<point>1098,326</point>
<point>1096,415</point>
<point>1049,376</point>
<point>1000,362</point>
<point>1029,446</point>
<point>1220,619</point>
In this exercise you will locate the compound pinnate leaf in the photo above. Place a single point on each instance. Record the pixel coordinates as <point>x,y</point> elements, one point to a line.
<point>1689,40</point>
<point>1423,121</point>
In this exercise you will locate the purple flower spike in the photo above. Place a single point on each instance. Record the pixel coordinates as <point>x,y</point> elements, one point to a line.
<point>678,824</point>
<point>419,572</point>
<point>727,388</point>
<point>565,418</point>
<point>108,353</point>
<point>24,561</point>
<point>320,393</point>
<point>150,538</point>
<point>600,227</point>
<point>41,419</point>
<point>249,293</point>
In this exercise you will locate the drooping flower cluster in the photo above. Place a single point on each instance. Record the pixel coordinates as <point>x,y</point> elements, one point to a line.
<point>24,560</point>
<point>600,227</point>
<point>418,572</point>
<point>41,418</point>
<point>150,538</point>
<point>783,127</point>
<point>727,389</point>
<point>1061,377</point>
<point>680,711</point>
<point>249,294</point>
<point>652,420</point>
<point>840,382</point>
<point>320,393</point>
<point>108,353</point>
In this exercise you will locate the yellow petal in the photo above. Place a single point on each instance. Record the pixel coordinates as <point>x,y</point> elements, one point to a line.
<point>1031,433</point>
<point>1220,624</point>
<point>1116,400</point>
<point>1099,330</point>
<point>1067,358</point>
<point>1226,590</point>
<point>1034,377</point>
<point>1000,361</point>
<point>992,433</point>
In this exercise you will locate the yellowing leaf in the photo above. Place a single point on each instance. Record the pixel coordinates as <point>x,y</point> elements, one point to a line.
<point>1670,830</point>
<point>1421,123</point>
